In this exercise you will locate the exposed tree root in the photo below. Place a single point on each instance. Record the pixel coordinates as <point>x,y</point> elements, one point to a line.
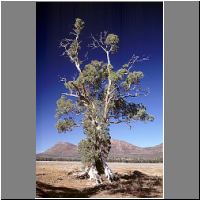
<point>93,175</point>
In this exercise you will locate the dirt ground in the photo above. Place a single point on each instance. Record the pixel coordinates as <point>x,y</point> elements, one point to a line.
<point>136,180</point>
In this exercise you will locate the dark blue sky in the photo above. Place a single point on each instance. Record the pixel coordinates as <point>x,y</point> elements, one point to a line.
<point>140,29</point>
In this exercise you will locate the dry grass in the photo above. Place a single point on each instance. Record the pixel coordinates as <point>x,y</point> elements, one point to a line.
<point>136,180</point>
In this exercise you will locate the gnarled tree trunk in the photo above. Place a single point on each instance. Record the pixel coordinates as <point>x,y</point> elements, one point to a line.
<point>95,171</point>
<point>95,149</point>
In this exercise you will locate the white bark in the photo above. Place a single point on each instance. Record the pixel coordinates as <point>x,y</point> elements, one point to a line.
<point>93,174</point>
<point>109,85</point>
<point>108,172</point>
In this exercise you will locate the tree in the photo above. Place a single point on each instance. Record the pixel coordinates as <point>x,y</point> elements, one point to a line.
<point>97,97</point>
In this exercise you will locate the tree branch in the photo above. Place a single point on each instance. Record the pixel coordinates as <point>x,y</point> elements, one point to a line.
<point>138,93</point>
<point>96,43</point>
<point>118,122</point>
<point>69,94</point>
<point>107,99</point>
<point>135,59</point>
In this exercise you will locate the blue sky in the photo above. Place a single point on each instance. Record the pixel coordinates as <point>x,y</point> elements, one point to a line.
<point>140,29</point>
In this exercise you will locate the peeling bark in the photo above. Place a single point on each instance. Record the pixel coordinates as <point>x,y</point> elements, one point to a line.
<point>95,175</point>
<point>108,172</point>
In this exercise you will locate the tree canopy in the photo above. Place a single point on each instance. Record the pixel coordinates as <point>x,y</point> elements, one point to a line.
<point>100,93</point>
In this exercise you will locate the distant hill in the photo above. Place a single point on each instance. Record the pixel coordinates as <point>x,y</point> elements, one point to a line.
<point>61,150</point>
<point>120,151</point>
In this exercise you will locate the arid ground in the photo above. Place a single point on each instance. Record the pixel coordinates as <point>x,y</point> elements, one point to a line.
<point>139,180</point>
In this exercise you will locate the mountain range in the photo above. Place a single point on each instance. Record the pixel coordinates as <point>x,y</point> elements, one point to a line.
<point>120,150</point>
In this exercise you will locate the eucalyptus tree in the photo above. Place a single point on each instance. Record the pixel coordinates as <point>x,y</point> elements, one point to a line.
<point>100,95</point>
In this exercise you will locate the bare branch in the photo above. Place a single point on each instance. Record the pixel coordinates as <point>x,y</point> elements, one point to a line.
<point>68,44</point>
<point>107,99</point>
<point>73,33</point>
<point>138,93</point>
<point>97,43</point>
<point>101,38</point>
<point>70,94</point>
<point>63,79</point>
<point>135,59</point>
<point>132,61</point>
<point>143,58</point>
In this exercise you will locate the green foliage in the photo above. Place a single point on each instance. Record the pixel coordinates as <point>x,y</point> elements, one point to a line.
<point>118,75</point>
<point>72,46</point>
<point>143,115</point>
<point>91,72</point>
<point>73,50</point>
<point>132,78</point>
<point>64,106</point>
<point>112,40</point>
<point>97,143</point>
<point>125,65</point>
<point>122,72</point>
<point>87,151</point>
<point>69,85</point>
<point>79,25</point>
<point>128,112</point>
<point>65,125</point>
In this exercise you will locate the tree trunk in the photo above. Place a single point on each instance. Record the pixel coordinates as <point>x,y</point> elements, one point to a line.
<point>98,169</point>
<point>95,149</point>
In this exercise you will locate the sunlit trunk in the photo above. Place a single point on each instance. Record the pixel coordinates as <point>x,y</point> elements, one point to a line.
<point>96,153</point>
<point>96,171</point>
<point>100,167</point>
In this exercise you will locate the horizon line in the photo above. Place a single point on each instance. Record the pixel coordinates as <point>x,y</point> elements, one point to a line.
<point>111,140</point>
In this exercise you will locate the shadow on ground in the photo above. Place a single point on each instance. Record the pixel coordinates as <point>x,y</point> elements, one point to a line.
<point>135,184</point>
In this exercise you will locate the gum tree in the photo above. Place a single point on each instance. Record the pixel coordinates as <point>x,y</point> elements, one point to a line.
<point>97,97</point>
